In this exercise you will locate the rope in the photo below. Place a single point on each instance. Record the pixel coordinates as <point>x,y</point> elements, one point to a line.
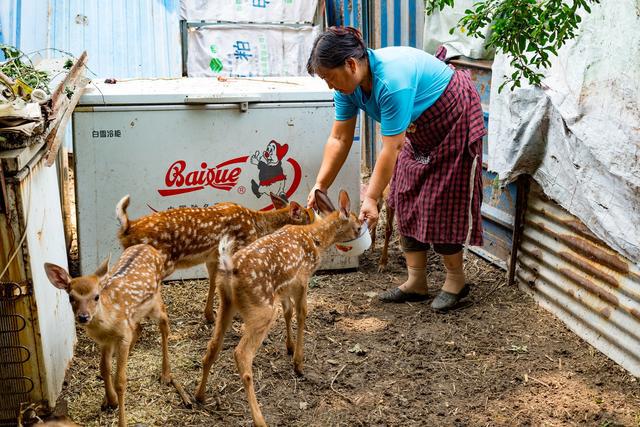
<point>472,181</point>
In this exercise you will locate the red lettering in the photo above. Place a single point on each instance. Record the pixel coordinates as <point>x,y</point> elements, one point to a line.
<point>220,177</point>
<point>191,179</point>
<point>174,174</point>
<point>235,175</point>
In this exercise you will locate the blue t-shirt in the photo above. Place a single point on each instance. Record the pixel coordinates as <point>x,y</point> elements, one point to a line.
<point>406,81</point>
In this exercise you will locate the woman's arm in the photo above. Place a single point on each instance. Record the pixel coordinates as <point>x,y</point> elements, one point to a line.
<point>382,172</point>
<point>336,151</point>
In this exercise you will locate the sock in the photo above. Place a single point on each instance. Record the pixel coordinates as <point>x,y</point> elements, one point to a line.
<point>416,282</point>
<point>454,281</point>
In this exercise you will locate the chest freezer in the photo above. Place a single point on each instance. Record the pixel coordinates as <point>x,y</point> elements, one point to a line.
<point>195,142</point>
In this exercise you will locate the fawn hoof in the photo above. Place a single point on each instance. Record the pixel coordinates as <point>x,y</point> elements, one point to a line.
<point>165,379</point>
<point>298,368</point>
<point>209,316</point>
<point>290,349</point>
<point>200,396</point>
<point>106,405</point>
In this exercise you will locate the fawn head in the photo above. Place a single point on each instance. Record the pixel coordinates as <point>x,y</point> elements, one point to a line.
<point>299,215</point>
<point>84,291</point>
<point>348,224</point>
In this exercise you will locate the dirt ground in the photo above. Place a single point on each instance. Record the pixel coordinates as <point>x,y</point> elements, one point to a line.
<point>499,360</point>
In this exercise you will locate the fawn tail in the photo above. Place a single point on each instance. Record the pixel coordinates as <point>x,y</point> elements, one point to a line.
<point>121,213</point>
<point>225,267</point>
<point>225,250</point>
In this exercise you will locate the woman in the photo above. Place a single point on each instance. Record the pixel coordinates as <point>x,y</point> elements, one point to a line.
<point>432,127</point>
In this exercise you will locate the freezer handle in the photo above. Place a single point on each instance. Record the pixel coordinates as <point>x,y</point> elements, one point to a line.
<point>212,99</point>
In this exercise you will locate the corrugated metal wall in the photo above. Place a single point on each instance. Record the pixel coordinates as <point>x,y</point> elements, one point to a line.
<point>586,284</point>
<point>124,39</point>
<point>25,23</point>
<point>385,23</point>
<point>400,23</point>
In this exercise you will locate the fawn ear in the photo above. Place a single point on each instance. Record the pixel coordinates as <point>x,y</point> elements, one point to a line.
<point>344,203</point>
<point>279,202</point>
<point>58,276</point>
<point>296,211</point>
<point>103,268</point>
<point>324,203</point>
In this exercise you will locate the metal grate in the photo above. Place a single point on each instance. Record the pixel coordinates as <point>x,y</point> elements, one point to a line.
<point>14,385</point>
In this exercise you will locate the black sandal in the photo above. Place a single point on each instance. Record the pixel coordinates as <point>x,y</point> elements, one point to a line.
<point>396,295</point>
<point>445,301</point>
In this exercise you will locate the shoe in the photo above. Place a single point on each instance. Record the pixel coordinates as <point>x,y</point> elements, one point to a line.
<point>395,295</point>
<point>445,301</point>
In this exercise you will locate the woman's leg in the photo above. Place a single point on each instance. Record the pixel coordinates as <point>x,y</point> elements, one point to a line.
<point>454,288</point>
<point>415,287</point>
<point>416,273</point>
<point>452,258</point>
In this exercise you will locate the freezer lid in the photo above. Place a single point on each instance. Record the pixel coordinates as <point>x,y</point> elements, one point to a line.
<point>203,90</point>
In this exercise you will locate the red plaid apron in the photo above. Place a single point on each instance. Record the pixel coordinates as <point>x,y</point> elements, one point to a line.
<point>432,192</point>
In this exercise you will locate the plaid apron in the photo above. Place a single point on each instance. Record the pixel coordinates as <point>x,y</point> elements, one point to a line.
<point>436,189</point>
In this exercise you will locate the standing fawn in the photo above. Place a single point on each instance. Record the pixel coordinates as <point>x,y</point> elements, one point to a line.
<point>190,236</point>
<point>111,307</point>
<point>388,230</point>
<point>274,267</point>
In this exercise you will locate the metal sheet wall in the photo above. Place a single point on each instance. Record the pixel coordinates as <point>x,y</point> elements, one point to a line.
<point>385,23</point>
<point>587,285</point>
<point>25,23</point>
<point>124,39</point>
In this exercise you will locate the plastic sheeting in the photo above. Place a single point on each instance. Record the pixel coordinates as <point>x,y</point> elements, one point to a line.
<point>259,11</point>
<point>578,134</point>
<point>276,43</point>
<point>436,33</point>
<point>246,51</point>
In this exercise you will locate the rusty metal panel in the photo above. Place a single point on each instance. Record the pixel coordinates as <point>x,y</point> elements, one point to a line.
<point>37,331</point>
<point>480,70</point>
<point>570,272</point>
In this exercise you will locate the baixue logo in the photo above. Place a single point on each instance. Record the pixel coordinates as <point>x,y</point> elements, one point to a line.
<point>222,177</point>
<point>181,179</point>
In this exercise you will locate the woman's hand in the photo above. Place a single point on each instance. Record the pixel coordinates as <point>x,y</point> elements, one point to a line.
<point>369,211</point>
<point>311,199</point>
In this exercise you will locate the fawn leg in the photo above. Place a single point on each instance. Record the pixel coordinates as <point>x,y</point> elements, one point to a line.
<point>388,231</point>
<point>287,309</point>
<point>212,269</point>
<point>300,297</point>
<point>110,398</point>
<point>136,334</point>
<point>160,313</point>
<point>121,378</point>
<point>373,231</point>
<point>257,323</point>
<point>223,320</point>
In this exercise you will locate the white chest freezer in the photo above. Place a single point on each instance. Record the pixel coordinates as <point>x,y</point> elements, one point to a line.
<point>196,142</point>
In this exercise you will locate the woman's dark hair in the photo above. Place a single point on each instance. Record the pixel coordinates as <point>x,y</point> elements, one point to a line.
<point>333,47</point>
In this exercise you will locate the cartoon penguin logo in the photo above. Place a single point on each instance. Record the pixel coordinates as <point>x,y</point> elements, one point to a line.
<point>271,177</point>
